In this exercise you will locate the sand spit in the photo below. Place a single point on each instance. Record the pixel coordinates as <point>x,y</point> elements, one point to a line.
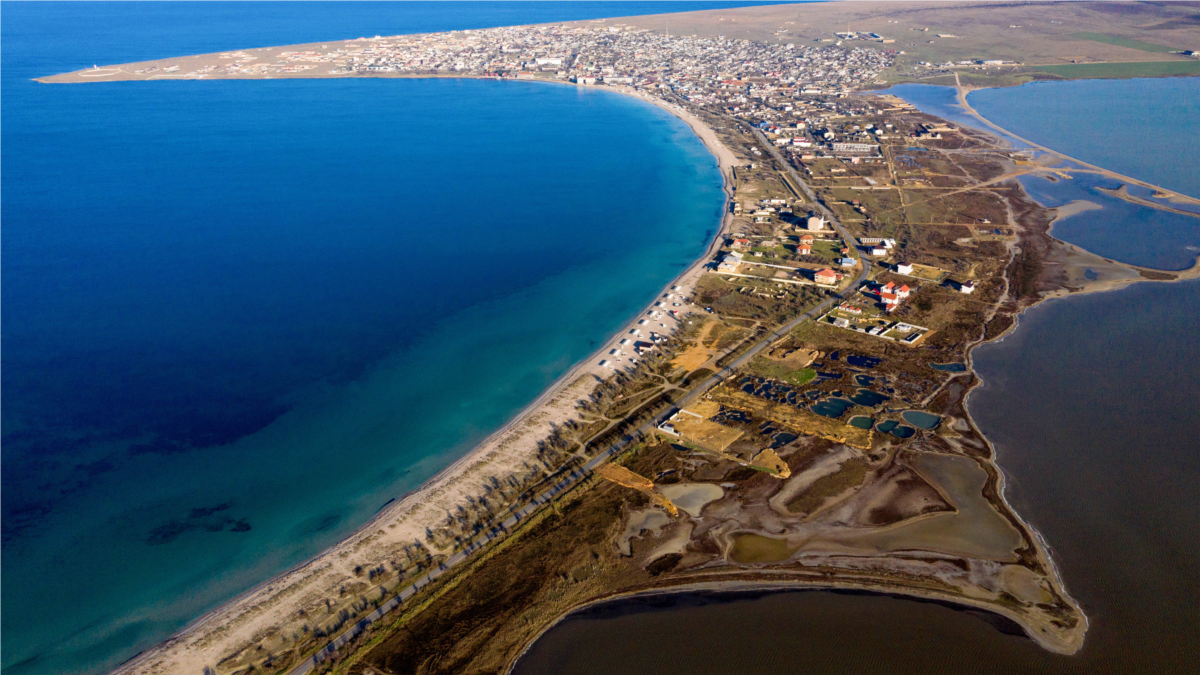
<point>274,605</point>
<point>1047,639</point>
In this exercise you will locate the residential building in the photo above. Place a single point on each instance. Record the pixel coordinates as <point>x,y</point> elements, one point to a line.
<point>826,276</point>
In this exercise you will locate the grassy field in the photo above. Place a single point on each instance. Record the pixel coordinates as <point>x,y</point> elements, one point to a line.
<point>1089,71</point>
<point>1123,42</point>
<point>852,474</point>
<point>780,371</point>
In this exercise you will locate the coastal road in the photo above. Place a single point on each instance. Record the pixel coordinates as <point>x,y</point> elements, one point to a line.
<point>574,476</point>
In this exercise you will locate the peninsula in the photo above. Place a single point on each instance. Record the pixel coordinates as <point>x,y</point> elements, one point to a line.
<point>790,412</point>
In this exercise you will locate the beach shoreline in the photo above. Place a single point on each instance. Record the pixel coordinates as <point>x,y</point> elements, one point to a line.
<point>516,440</point>
<point>519,436</point>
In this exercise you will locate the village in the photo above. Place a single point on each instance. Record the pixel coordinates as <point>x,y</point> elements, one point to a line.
<point>800,418</point>
<point>808,374</point>
<point>705,70</point>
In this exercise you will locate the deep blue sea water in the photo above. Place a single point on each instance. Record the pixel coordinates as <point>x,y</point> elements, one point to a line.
<point>238,317</point>
<point>1143,128</point>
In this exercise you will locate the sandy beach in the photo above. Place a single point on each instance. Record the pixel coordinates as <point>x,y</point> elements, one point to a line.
<point>275,606</point>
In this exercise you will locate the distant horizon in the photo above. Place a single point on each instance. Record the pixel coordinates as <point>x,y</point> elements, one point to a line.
<point>299,345</point>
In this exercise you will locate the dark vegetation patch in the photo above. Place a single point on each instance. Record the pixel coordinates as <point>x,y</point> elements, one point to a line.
<point>664,564</point>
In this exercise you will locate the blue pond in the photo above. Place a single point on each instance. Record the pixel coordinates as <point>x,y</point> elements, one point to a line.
<point>867,398</point>
<point>921,419</point>
<point>861,422</point>
<point>832,407</point>
<point>949,367</point>
<point>887,425</point>
<point>903,432</point>
<point>863,361</point>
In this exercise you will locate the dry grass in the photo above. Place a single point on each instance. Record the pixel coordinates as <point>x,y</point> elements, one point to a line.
<point>705,433</point>
<point>696,354</point>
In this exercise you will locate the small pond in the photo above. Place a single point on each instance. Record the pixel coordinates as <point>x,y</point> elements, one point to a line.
<point>831,407</point>
<point>862,422</point>
<point>887,425</point>
<point>920,419</point>
<point>949,367</point>
<point>902,431</point>
<point>863,361</point>
<point>781,439</point>
<point>867,398</point>
<point>864,380</point>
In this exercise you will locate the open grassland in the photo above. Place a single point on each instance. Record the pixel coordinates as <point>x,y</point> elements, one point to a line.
<point>1124,42</point>
<point>1042,33</point>
<point>1093,71</point>
<point>780,371</point>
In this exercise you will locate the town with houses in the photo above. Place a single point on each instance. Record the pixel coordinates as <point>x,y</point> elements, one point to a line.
<point>863,252</point>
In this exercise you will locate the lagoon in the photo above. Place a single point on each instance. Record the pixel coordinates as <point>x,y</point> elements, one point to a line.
<point>1083,119</point>
<point>1147,128</point>
<point>1117,508</point>
<point>1098,459</point>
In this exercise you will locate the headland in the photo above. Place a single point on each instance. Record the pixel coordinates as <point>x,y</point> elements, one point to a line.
<point>797,399</point>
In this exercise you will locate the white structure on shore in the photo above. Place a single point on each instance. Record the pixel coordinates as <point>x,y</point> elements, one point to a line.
<point>816,223</point>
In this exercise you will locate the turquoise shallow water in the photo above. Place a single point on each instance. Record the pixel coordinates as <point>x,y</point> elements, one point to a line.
<point>239,317</point>
<point>291,356</point>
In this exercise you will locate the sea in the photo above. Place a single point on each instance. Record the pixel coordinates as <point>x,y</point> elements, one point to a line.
<point>240,317</point>
<point>1091,403</point>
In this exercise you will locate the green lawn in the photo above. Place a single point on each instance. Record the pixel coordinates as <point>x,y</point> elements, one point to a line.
<point>1085,71</point>
<point>1124,42</point>
<point>778,371</point>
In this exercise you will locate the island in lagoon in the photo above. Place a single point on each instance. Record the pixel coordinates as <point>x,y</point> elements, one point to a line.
<point>782,416</point>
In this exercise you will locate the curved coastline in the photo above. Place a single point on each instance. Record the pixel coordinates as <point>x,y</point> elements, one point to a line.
<point>455,470</point>
<point>742,586</point>
<point>228,610</point>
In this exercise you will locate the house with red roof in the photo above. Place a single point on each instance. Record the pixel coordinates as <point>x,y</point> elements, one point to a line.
<point>827,276</point>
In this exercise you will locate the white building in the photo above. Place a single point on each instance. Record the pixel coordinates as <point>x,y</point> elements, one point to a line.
<point>729,263</point>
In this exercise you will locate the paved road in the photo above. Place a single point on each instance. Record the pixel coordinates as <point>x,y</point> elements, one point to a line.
<point>575,475</point>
